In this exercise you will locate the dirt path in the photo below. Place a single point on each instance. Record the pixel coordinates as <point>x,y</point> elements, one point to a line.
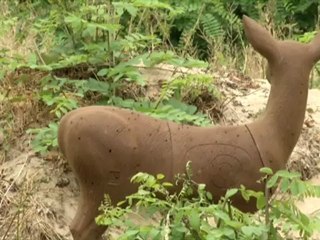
<point>45,191</point>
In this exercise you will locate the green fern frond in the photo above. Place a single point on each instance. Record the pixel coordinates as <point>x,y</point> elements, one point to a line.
<point>167,91</point>
<point>173,110</point>
<point>188,86</point>
<point>187,33</point>
<point>211,26</point>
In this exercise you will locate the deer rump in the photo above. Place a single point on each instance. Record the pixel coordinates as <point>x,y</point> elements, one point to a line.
<point>106,146</point>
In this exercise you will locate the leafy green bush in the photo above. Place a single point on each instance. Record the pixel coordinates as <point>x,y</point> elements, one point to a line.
<point>46,138</point>
<point>191,214</point>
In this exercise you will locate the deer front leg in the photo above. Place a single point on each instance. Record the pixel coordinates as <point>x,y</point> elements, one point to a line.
<point>83,226</point>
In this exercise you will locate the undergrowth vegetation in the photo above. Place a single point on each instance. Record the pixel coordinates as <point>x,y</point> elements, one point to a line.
<point>192,214</point>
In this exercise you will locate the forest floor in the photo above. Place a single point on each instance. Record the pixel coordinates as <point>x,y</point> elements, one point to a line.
<point>39,195</point>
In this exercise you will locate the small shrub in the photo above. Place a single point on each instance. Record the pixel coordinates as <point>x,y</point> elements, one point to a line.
<point>186,214</point>
<point>45,138</point>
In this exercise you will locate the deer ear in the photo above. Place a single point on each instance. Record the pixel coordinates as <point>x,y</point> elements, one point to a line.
<point>315,48</point>
<point>260,39</point>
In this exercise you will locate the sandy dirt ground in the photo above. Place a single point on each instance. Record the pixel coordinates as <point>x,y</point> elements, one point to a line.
<point>39,195</point>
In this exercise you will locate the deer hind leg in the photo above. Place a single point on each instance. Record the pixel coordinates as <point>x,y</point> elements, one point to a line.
<point>91,178</point>
<point>93,141</point>
<point>90,167</point>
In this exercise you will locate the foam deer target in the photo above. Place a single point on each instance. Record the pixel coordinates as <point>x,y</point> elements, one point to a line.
<point>106,146</point>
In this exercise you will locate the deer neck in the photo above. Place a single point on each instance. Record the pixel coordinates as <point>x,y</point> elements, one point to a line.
<point>284,114</point>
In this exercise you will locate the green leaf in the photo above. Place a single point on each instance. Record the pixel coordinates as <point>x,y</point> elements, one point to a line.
<point>284,185</point>
<point>160,176</point>
<point>201,187</point>
<point>231,192</point>
<point>272,181</point>
<point>97,86</point>
<point>129,234</point>
<point>234,224</point>
<point>32,59</point>
<point>266,170</point>
<point>154,234</point>
<point>221,215</point>
<point>251,231</point>
<point>89,31</point>
<point>167,184</point>
<point>304,219</point>
<point>194,219</point>
<point>58,114</point>
<point>209,196</point>
<point>143,192</point>
<point>245,195</point>
<point>287,174</point>
<point>194,63</point>
<point>261,201</point>
<point>297,188</point>
<point>103,72</point>
<point>132,10</point>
